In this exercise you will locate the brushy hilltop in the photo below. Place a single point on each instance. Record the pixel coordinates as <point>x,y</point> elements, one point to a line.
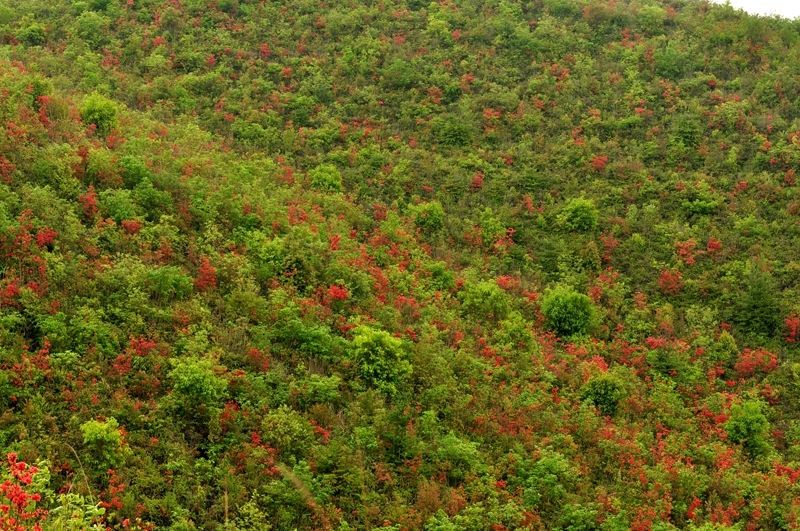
<point>448,266</point>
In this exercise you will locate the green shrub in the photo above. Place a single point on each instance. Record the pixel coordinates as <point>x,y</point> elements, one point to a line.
<point>428,217</point>
<point>169,282</point>
<point>604,392</point>
<point>381,359</point>
<point>757,311</point>
<point>442,522</point>
<point>133,170</point>
<point>451,131</point>
<point>118,204</point>
<point>579,214</point>
<point>153,202</point>
<point>287,431</point>
<point>99,5</point>
<point>318,389</point>
<point>748,426</point>
<point>32,34</point>
<point>310,338</point>
<point>196,383</point>
<point>441,278</point>
<point>300,109</point>
<point>104,443</point>
<point>101,112</point>
<point>669,62</point>
<point>458,455</point>
<point>326,178</point>
<point>485,300</point>
<point>579,517</point>
<point>91,27</point>
<point>548,482</point>
<point>568,312</point>
<point>400,74</point>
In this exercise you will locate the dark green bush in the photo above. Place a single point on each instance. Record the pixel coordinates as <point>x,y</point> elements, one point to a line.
<point>451,131</point>
<point>604,392</point>
<point>568,312</point>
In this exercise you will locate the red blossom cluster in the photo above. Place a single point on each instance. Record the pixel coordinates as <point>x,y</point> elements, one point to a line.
<point>755,360</point>
<point>89,202</point>
<point>686,251</point>
<point>477,181</point>
<point>670,282</point>
<point>338,293</point>
<point>207,276</point>
<point>599,163</point>
<point>18,510</point>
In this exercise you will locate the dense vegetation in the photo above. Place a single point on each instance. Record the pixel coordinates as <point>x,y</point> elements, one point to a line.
<point>390,264</point>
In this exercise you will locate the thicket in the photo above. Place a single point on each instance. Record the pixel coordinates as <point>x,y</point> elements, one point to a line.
<point>398,265</point>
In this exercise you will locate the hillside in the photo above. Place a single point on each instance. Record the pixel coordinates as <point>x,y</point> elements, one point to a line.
<point>398,265</point>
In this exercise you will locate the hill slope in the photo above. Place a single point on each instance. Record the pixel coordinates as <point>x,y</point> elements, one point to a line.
<point>326,265</point>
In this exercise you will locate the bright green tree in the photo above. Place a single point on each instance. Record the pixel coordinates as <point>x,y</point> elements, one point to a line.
<point>748,426</point>
<point>101,112</point>
<point>104,443</point>
<point>381,359</point>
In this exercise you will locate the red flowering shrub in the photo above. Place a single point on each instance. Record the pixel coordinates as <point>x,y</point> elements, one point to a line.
<point>656,342</point>
<point>477,182</point>
<point>792,328</point>
<point>89,202</point>
<point>379,213</point>
<point>18,510</point>
<point>45,237</point>
<point>600,163</point>
<point>338,293</point>
<point>507,282</point>
<point>142,346</point>
<point>713,246</point>
<point>670,282</point>
<point>755,360</point>
<point>686,251</point>
<point>207,277</point>
<point>131,226</point>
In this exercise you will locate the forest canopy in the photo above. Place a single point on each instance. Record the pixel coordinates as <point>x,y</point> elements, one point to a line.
<point>401,265</point>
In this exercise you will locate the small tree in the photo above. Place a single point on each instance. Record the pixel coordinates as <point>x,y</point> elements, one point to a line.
<point>104,442</point>
<point>101,112</point>
<point>326,178</point>
<point>579,214</point>
<point>428,217</point>
<point>567,311</point>
<point>381,359</point>
<point>604,392</point>
<point>758,311</point>
<point>749,426</point>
